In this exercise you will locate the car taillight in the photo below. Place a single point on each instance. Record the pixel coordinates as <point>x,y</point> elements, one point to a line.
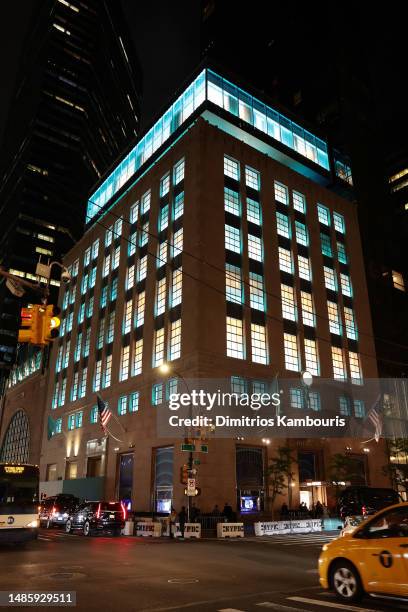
<point>123,510</point>
<point>54,511</point>
<point>363,510</point>
<point>98,512</point>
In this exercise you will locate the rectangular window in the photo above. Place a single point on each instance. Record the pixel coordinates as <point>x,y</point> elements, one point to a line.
<point>252,178</point>
<point>314,401</point>
<point>108,236</point>
<point>114,290</point>
<point>344,406</point>
<point>127,317</point>
<point>145,202</point>
<point>97,376</point>
<point>116,258</point>
<point>144,235</point>
<point>282,225</point>
<point>239,385</point>
<point>235,338</point>
<point>111,328</point>
<point>117,229</point>
<point>359,409</point>
<point>164,218</point>
<point>108,372</point>
<point>232,239</point>
<point>281,193</point>
<point>302,235</point>
<point>87,256</point>
<point>326,245</point>
<point>178,172</point>
<point>101,333</point>
<point>351,327</point>
<point>82,388</point>
<point>175,340</point>
<point>134,213</point>
<point>330,280</point>
<point>87,342</point>
<point>178,242</point>
<point>157,394</point>
<point>142,268</point>
<point>308,315</point>
<point>93,415</point>
<point>398,280</point>
<point>178,207</point>
<point>61,400</point>
<point>231,202</point>
<point>81,313</point>
<point>176,287</point>
<point>137,357</point>
<point>323,214</point>
<point>134,401</point>
<point>84,284</point>
<point>66,355</point>
<point>334,319</point>
<point>304,268</point>
<point>122,405</point>
<point>165,185</point>
<point>355,368</point>
<point>297,398</point>
<point>291,352</point>
<point>161,254</point>
<point>140,307</point>
<point>256,291</point>
<point>74,389</point>
<point>160,306</point>
<point>231,168</point>
<point>258,344</point>
<point>71,422</point>
<point>254,247</point>
<point>124,363</point>
<point>89,310</point>
<point>341,253</point>
<point>338,222</point>
<point>339,372</point>
<point>92,278</point>
<point>311,357</point>
<point>299,201</point>
<point>130,277</point>
<point>285,260</point>
<point>253,211</point>
<point>106,266</point>
<point>132,244</point>
<point>289,310</point>
<point>77,353</point>
<point>346,288</point>
<point>233,282</point>
<point>158,353</point>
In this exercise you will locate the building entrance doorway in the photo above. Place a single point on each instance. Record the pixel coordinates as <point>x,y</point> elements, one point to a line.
<point>125,480</point>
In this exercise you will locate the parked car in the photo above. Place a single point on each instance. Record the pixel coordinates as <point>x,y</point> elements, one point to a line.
<point>56,509</point>
<point>92,517</point>
<point>369,560</point>
<point>363,501</point>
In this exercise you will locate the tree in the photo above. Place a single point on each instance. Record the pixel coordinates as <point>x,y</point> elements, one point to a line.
<point>342,469</point>
<point>280,475</point>
<point>397,469</point>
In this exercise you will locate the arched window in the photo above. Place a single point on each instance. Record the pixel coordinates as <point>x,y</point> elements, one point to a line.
<point>16,443</point>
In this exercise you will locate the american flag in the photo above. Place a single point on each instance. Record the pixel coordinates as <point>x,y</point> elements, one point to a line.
<point>375,417</point>
<point>104,414</point>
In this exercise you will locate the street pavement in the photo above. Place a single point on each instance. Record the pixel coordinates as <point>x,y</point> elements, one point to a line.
<point>158,575</point>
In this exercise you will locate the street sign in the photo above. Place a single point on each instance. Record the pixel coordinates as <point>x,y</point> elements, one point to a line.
<point>204,448</point>
<point>188,447</point>
<point>197,462</point>
<point>191,486</point>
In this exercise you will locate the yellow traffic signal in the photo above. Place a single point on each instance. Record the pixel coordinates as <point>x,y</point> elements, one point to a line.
<point>50,323</point>
<point>184,474</point>
<point>31,324</point>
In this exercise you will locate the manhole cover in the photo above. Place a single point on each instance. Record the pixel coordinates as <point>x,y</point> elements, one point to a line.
<point>182,580</point>
<point>66,576</point>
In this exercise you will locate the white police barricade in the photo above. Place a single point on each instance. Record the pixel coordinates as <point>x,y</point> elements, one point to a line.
<point>285,527</point>
<point>148,529</point>
<point>129,528</point>
<point>191,530</point>
<point>230,530</point>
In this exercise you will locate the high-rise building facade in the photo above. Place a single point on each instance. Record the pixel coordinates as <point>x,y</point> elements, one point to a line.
<point>217,247</point>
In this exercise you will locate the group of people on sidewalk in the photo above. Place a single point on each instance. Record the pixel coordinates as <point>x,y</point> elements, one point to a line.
<point>181,518</point>
<point>318,510</point>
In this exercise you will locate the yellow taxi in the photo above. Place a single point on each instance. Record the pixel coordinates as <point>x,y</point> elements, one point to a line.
<point>372,559</point>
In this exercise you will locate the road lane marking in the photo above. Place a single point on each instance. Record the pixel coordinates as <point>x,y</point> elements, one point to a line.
<point>230,610</point>
<point>330,604</point>
<point>279,607</point>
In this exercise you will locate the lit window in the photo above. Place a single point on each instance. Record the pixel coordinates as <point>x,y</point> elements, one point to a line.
<point>285,260</point>
<point>178,207</point>
<point>178,242</point>
<point>351,327</point>
<point>137,357</point>
<point>231,168</point>
<point>58,426</point>
<point>175,340</point>
<point>282,225</point>
<point>299,201</point>
<point>311,357</point>
<point>339,372</point>
<point>93,415</point>
<point>92,278</point>
<point>164,185</point>
<point>314,401</point>
<point>281,193</point>
<point>176,287</point>
<point>87,256</point>
<point>101,334</point>
<point>171,387</point>
<point>134,401</point>
<point>82,388</point>
<point>304,268</point>
<point>77,353</point>
<point>142,268</point>
<point>130,277</point>
<point>359,409</point>
<point>87,342</point>
<point>252,178</point>
<point>71,422</point>
<point>144,235</point>
<point>74,389</point>
<point>344,406</point>
<point>288,303</point>
<point>69,321</point>
<point>66,354</point>
<point>308,316</point>
<point>338,222</point>
<point>258,344</point>
<point>43,251</point>
<point>238,385</point>
<point>346,288</point>
<point>256,291</point>
<point>108,372</point>
<point>124,363</point>
<point>158,354</point>
<point>104,296</point>
<point>134,213</point>
<point>45,237</point>
<point>178,172</point>
<point>398,280</point>
<point>132,244</point>
<point>145,202</point>
<point>160,297</point>
<point>111,328</point>
<point>232,239</point>
<point>233,283</point>
<point>330,280</point>
<point>326,245</point>
<point>334,319</point>
<point>355,368</point>
<point>157,394</point>
<point>254,247</point>
<point>122,405</point>
<point>323,214</point>
<point>75,268</point>
<point>231,202</point>
<point>140,307</point>
<point>108,237</point>
<point>127,317</point>
<point>98,375</point>
<point>253,211</point>
<point>84,284</point>
<point>95,249</point>
<point>302,236</point>
<point>114,290</point>
<point>161,254</point>
<point>61,400</point>
<point>235,338</point>
<point>297,398</point>
<point>164,218</point>
<point>116,258</point>
<point>291,352</point>
<point>341,253</point>
<point>106,265</point>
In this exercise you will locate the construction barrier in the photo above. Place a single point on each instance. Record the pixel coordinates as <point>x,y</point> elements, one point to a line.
<point>129,528</point>
<point>191,530</point>
<point>149,528</point>
<point>284,527</point>
<point>230,530</point>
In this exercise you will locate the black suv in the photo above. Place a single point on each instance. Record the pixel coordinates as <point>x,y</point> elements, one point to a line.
<point>55,510</point>
<point>93,516</point>
<point>363,501</point>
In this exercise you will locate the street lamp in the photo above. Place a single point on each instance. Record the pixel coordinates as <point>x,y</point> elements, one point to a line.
<point>307,381</point>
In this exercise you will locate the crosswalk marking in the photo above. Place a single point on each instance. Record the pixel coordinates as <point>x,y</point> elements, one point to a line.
<point>280,608</point>
<point>330,604</point>
<point>230,610</point>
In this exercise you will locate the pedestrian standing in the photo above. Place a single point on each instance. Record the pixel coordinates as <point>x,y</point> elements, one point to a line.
<point>173,517</point>
<point>182,517</point>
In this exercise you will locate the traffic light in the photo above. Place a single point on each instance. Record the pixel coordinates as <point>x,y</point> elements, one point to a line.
<point>31,324</point>
<point>184,474</point>
<point>50,324</point>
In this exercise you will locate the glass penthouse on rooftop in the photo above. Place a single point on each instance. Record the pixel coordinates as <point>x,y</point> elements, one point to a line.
<point>209,86</point>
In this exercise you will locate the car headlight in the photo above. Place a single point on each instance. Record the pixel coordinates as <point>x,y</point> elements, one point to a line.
<point>65,515</point>
<point>33,524</point>
<point>324,547</point>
